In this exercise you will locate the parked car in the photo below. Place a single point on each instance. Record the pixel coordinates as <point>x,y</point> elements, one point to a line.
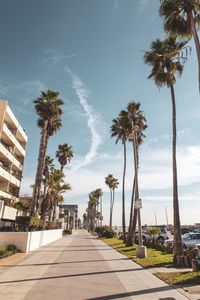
<point>161,237</point>
<point>190,240</point>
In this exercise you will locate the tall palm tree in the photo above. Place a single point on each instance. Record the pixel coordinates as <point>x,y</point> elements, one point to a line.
<point>64,155</point>
<point>166,58</point>
<point>119,130</point>
<point>182,18</point>
<point>108,182</point>
<point>98,194</point>
<point>48,109</point>
<point>136,118</point>
<point>92,209</point>
<point>57,187</point>
<point>114,186</point>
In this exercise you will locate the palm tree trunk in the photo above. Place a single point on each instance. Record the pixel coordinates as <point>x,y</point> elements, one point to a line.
<point>38,176</point>
<point>129,240</point>
<point>101,210</point>
<point>135,140</point>
<point>177,248</point>
<point>123,196</point>
<point>134,224</point>
<point>110,207</point>
<point>54,211</point>
<point>113,199</point>
<point>196,41</point>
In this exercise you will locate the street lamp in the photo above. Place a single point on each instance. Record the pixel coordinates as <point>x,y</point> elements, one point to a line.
<point>136,130</point>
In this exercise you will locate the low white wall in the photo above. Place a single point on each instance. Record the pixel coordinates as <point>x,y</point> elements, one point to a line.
<point>29,241</point>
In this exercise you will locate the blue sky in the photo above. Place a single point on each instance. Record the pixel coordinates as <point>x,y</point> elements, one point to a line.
<point>91,51</point>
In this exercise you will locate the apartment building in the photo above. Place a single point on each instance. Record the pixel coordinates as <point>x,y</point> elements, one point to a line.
<point>13,141</point>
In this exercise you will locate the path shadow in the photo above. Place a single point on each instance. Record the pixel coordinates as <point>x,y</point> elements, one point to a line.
<point>64,262</point>
<point>69,276</point>
<point>137,293</point>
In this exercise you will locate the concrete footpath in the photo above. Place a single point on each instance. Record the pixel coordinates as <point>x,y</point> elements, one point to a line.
<point>80,267</point>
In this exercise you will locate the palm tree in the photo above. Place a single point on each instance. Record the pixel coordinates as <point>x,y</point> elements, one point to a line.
<point>108,182</point>
<point>136,118</point>
<point>98,194</point>
<point>92,209</point>
<point>166,58</point>
<point>64,155</point>
<point>114,186</point>
<point>56,188</point>
<point>48,109</point>
<point>119,130</point>
<point>182,18</point>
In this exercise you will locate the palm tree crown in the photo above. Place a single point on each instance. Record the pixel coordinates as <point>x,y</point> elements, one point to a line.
<point>177,15</point>
<point>182,18</point>
<point>64,155</point>
<point>166,60</point>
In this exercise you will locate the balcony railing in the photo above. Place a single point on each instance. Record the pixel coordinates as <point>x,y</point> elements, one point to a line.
<point>10,150</point>
<point>13,130</point>
<point>7,168</point>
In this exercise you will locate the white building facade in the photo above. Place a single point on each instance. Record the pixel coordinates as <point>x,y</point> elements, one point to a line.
<point>13,141</point>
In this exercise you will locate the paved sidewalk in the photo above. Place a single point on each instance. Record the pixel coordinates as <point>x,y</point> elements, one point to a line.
<point>80,267</point>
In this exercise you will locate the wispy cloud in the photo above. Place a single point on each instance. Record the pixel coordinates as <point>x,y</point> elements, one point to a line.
<point>55,57</point>
<point>93,118</point>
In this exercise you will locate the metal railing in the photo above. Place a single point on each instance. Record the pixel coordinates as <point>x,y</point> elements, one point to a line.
<point>12,130</point>
<point>10,150</point>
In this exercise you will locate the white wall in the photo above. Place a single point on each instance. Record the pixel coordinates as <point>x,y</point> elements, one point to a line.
<point>29,241</point>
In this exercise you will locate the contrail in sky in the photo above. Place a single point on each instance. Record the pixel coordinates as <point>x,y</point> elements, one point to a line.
<point>93,118</point>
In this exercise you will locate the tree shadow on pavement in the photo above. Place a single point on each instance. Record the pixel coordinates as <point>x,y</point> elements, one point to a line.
<point>70,276</point>
<point>64,262</point>
<point>137,293</point>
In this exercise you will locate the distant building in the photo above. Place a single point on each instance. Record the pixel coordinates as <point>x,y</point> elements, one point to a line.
<point>26,200</point>
<point>13,141</point>
<point>70,214</point>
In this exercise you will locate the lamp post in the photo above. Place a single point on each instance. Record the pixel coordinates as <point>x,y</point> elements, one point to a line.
<point>140,250</point>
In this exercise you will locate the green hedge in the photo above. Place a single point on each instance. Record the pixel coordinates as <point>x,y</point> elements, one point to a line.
<point>67,231</point>
<point>50,225</point>
<point>28,223</point>
<point>105,231</point>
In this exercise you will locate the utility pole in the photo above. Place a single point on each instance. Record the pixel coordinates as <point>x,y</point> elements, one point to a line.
<point>166,215</point>
<point>156,219</point>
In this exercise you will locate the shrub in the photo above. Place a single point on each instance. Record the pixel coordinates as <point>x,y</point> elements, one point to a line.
<point>50,225</point>
<point>8,250</point>
<point>67,231</point>
<point>12,248</point>
<point>105,231</point>
<point>28,223</point>
<point>6,229</point>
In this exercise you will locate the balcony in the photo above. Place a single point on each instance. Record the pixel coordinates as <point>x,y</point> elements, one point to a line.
<point>7,152</point>
<point>10,116</point>
<point>5,195</point>
<point>5,174</point>
<point>13,139</point>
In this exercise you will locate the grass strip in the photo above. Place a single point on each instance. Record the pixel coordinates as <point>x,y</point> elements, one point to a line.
<point>154,257</point>
<point>180,278</point>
